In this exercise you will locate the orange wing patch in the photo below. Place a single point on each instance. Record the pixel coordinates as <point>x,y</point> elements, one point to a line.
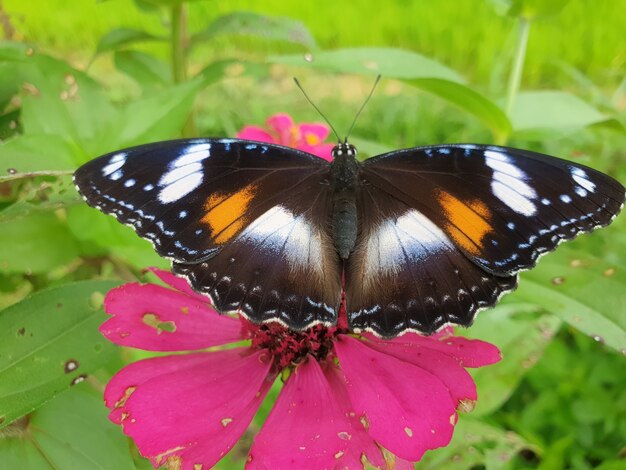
<point>468,221</point>
<point>225,213</point>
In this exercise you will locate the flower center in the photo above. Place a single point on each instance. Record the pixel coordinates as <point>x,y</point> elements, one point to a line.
<point>289,347</point>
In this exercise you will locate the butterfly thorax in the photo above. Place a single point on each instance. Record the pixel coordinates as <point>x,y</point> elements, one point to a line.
<point>344,180</point>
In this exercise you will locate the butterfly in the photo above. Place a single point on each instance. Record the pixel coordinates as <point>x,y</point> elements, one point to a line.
<point>417,239</point>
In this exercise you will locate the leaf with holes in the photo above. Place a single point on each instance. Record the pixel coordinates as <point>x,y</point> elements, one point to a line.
<point>582,290</point>
<point>49,342</point>
<point>522,340</point>
<point>72,431</point>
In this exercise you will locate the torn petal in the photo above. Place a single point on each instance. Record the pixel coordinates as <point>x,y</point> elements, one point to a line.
<point>400,403</point>
<point>189,408</point>
<point>306,427</point>
<point>155,318</point>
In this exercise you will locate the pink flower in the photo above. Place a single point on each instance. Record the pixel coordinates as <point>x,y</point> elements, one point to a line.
<point>282,130</point>
<point>347,400</point>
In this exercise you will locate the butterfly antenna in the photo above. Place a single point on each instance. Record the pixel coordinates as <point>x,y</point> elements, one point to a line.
<point>316,108</point>
<point>363,106</point>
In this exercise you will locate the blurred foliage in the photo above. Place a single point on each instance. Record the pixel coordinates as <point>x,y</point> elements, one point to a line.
<point>79,81</point>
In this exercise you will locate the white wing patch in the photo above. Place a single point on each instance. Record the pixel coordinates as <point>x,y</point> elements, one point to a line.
<point>117,161</point>
<point>184,174</point>
<point>412,237</point>
<point>279,231</point>
<point>509,185</point>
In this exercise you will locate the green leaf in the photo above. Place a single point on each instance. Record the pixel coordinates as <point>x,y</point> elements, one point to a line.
<point>528,9</point>
<point>144,68</point>
<point>48,342</point>
<point>62,101</point>
<point>42,195</point>
<point>159,116</point>
<point>485,110</point>
<point>550,109</point>
<point>72,431</point>
<point>476,444</point>
<point>103,234</point>
<point>121,37</point>
<point>389,62</point>
<point>586,292</point>
<point>22,156</point>
<point>521,338</point>
<point>13,51</point>
<point>35,243</point>
<point>255,24</point>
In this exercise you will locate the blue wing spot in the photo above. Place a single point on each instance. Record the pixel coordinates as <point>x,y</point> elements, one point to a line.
<point>251,146</point>
<point>182,214</point>
<point>565,198</point>
<point>444,151</point>
<point>511,226</point>
<point>428,152</point>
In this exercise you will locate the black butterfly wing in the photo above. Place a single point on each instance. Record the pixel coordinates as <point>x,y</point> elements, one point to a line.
<point>282,266</point>
<point>406,273</point>
<point>244,221</point>
<point>460,221</point>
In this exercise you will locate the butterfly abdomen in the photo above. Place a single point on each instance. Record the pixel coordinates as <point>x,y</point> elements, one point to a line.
<point>344,179</point>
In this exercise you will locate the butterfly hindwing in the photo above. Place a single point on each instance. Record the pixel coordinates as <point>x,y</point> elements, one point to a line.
<point>191,197</point>
<point>406,273</point>
<point>502,207</point>
<point>282,266</point>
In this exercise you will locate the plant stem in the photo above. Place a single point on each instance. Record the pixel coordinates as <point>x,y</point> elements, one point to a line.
<point>178,37</point>
<point>518,64</point>
<point>179,41</point>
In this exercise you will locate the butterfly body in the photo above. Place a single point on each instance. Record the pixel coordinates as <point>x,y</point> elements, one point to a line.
<point>417,238</point>
<point>344,172</point>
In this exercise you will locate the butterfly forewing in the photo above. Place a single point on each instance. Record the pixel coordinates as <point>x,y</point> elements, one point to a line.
<point>502,207</point>
<point>191,197</point>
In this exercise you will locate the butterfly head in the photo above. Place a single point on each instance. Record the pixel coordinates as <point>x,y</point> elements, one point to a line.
<point>344,150</point>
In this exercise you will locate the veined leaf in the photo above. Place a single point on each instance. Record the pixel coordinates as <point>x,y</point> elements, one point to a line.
<point>388,62</point>
<point>255,24</point>
<point>48,342</point>
<point>120,37</point>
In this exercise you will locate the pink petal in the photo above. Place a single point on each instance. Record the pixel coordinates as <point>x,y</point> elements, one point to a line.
<point>156,318</point>
<point>361,443</point>
<point>459,383</point>
<point>469,352</point>
<point>178,283</point>
<point>307,428</point>
<point>321,131</point>
<point>256,133</point>
<point>323,151</point>
<point>189,409</point>
<point>407,409</point>
<point>282,125</point>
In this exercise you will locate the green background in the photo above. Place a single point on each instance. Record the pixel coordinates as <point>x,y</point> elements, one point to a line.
<point>81,78</point>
